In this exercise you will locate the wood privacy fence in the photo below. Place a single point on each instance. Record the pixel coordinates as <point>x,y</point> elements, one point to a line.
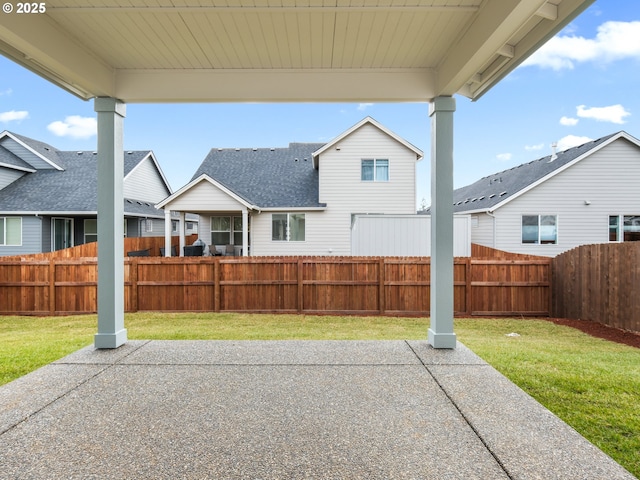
<point>336,285</point>
<point>599,283</point>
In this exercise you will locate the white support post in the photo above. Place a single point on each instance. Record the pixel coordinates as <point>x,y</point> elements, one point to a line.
<point>181,230</point>
<point>245,232</point>
<point>167,232</point>
<point>441,333</point>
<point>111,331</point>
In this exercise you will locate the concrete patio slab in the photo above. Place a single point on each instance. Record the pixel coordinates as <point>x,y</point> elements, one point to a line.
<point>286,410</point>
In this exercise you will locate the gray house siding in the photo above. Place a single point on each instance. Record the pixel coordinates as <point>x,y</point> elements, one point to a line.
<point>8,176</point>
<point>582,197</point>
<point>18,150</point>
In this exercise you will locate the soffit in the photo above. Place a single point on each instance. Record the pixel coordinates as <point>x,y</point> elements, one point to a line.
<point>280,50</point>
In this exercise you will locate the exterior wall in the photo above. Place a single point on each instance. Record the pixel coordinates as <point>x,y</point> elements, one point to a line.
<point>204,197</point>
<point>24,154</point>
<point>404,235</point>
<point>144,182</point>
<point>482,229</point>
<point>31,238</point>
<point>328,232</point>
<point>608,179</point>
<point>8,176</point>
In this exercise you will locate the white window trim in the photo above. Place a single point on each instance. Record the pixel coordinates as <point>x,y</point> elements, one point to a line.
<point>288,228</point>
<point>540,215</point>
<point>4,240</point>
<point>620,230</point>
<point>375,171</point>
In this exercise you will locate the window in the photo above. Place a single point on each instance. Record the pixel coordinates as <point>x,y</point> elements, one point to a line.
<point>148,225</point>
<point>624,228</point>
<point>11,231</point>
<point>226,230</point>
<point>287,227</point>
<point>539,229</point>
<point>90,230</point>
<point>374,170</point>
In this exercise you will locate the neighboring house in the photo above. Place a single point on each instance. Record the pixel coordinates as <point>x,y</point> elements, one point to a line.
<point>303,199</point>
<point>583,195</point>
<point>48,197</point>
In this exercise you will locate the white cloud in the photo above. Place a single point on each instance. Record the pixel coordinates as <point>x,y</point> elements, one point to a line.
<point>8,91</point>
<point>533,148</point>
<point>13,116</point>
<point>612,113</point>
<point>74,126</point>
<point>571,141</point>
<point>614,41</point>
<point>504,157</point>
<point>364,106</point>
<point>569,121</point>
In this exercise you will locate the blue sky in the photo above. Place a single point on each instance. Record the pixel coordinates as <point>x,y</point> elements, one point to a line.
<point>583,84</point>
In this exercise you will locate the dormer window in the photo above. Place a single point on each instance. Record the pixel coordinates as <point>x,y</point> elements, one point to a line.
<point>375,170</point>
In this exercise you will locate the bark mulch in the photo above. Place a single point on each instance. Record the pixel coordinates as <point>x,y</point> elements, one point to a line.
<point>601,331</point>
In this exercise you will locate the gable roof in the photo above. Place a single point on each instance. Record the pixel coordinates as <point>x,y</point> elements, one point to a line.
<point>493,191</point>
<point>71,187</point>
<point>265,177</point>
<point>41,150</point>
<point>357,126</point>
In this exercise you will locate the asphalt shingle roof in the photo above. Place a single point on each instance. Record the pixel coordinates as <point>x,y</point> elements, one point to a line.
<point>267,177</point>
<point>498,187</point>
<point>73,189</point>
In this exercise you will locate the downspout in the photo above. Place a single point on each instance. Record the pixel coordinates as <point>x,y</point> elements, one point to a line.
<point>493,240</point>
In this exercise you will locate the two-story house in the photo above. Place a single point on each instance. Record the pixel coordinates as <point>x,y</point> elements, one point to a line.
<point>48,197</point>
<point>302,199</point>
<point>583,195</point>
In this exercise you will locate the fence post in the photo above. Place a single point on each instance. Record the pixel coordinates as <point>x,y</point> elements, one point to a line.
<point>216,284</point>
<point>467,287</point>
<point>133,282</point>
<point>52,286</point>
<point>300,287</point>
<point>381,292</point>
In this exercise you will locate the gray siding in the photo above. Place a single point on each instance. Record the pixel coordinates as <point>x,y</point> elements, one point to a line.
<point>27,155</point>
<point>608,180</point>
<point>31,238</point>
<point>8,176</point>
<point>144,182</point>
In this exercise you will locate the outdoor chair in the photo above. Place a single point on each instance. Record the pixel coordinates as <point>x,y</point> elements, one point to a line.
<point>139,253</point>
<point>193,250</point>
<point>213,251</point>
<point>174,251</point>
<point>230,250</point>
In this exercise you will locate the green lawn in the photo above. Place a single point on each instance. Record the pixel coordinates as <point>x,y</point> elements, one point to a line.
<point>591,384</point>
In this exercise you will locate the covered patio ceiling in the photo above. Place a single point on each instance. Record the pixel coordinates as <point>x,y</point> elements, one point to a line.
<point>280,50</point>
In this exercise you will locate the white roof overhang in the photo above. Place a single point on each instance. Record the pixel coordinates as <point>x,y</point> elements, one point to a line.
<point>299,50</point>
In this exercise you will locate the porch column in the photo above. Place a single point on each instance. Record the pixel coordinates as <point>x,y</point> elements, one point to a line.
<point>441,333</point>
<point>245,232</point>
<point>167,232</point>
<point>181,229</point>
<point>111,331</point>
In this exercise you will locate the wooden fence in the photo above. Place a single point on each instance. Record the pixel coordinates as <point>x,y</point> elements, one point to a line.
<point>599,283</point>
<point>336,285</point>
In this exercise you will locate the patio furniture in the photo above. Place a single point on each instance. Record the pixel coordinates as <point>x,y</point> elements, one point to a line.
<point>174,251</point>
<point>230,250</point>
<point>193,250</point>
<point>139,253</point>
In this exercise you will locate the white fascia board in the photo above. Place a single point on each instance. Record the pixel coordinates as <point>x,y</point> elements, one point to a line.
<point>293,209</point>
<point>150,155</point>
<point>43,158</point>
<point>586,154</point>
<point>206,178</point>
<point>367,120</point>
<point>473,212</point>
<point>15,167</point>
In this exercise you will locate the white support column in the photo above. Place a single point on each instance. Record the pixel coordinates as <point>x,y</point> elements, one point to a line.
<point>111,331</point>
<point>441,329</point>
<point>167,232</point>
<point>245,232</point>
<point>181,229</point>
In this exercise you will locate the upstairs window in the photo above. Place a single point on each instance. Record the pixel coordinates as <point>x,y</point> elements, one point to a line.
<point>540,229</point>
<point>624,228</point>
<point>374,170</point>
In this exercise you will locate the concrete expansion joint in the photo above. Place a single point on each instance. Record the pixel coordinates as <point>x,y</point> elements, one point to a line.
<point>467,421</point>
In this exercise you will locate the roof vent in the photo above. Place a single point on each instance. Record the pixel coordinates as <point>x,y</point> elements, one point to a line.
<point>237,149</point>
<point>129,152</point>
<point>255,149</point>
<point>273,149</point>
<point>79,153</point>
<point>295,159</point>
<point>554,146</point>
<point>492,195</point>
<point>47,149</point>
<point>503,193</point>
<point>219,149</point>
